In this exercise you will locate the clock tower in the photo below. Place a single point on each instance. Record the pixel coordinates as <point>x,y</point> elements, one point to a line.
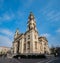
<point>31,22</point>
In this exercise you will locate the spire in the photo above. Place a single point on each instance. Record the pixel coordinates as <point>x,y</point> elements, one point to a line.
<point>17,31</point>
<point>31,16</point>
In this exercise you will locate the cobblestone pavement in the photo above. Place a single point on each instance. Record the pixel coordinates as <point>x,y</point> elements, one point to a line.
<point>8,60</point>
<point>12,60</point>
<point>55,61</point>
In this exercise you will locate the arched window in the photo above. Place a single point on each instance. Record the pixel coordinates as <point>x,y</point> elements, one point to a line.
<point>24,47</point>
<point>28,45</point>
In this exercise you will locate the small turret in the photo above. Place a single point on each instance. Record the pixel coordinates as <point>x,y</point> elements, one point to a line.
<point>16,33</point>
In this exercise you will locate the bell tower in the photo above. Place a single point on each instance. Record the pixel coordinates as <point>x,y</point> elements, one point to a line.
<point>31,22</point>
<point>33,35</point>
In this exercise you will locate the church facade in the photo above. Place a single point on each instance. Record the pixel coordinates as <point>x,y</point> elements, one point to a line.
<point>30,41</point>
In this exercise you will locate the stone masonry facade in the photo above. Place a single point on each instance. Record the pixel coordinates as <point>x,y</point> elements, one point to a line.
<point>30,41</point>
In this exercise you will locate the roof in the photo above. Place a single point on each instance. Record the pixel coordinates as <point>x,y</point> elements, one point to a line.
<point>18,36</point>
<point>42,37</point>
<point>4,47</point>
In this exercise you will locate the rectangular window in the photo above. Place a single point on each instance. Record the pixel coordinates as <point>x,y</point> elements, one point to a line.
<point>25,39</point>
<point>35,45</point>
<point>28,36</point>
<point>45,44</point>
<point>24,46</point>
<point>35,36</point>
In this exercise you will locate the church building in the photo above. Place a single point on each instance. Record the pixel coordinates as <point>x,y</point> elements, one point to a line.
<point>30,41</point>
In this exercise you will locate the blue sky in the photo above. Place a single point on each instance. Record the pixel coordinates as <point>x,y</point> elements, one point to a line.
<point>14,14</point>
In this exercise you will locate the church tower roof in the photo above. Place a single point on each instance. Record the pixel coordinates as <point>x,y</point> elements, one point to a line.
<point>31,16</point>
<point>31,22</point>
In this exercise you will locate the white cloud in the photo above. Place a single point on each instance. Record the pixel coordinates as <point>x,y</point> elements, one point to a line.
<point>46,8</point>
<point>19,14</point>
<point>50,13</point>
<point>7,16</point>
<point>6,32</point>
<point>5,41</point>
<point>54,16</point>
<point>6,37</point>
<point>52,40</point>
<point>1,3</point>
<point>28,3</point>
<point>46,35</point>
<point>58,30</point>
